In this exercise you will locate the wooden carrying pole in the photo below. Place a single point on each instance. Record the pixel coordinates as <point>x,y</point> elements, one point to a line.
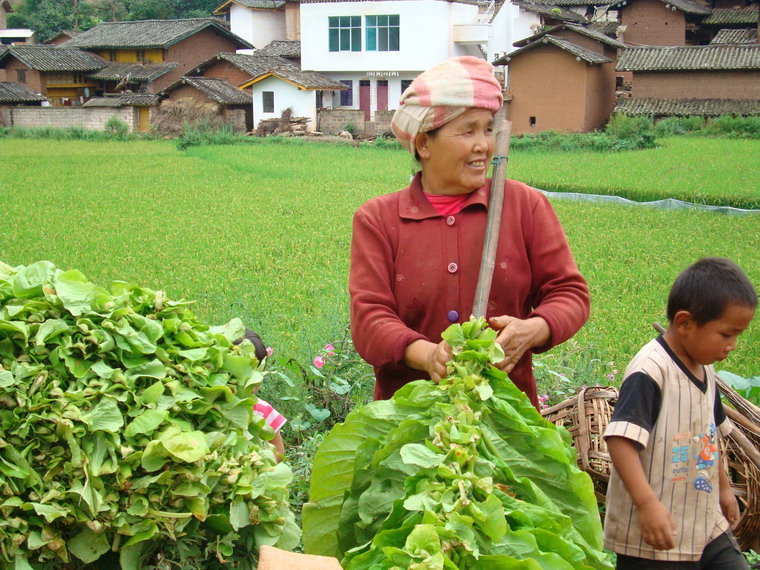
<point>493,223</point>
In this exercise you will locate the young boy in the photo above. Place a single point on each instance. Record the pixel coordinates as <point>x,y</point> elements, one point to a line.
<point>669,503</point>
<point>273,418</point>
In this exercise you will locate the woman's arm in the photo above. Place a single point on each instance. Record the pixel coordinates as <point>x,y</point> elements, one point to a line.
<point>379,334</point>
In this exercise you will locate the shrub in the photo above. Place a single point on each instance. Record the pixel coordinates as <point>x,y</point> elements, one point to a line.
<point>116,127</point>
<point>734,127</point>
<point>638,132</point>
<point>672,126</point>
<point>349,127</point>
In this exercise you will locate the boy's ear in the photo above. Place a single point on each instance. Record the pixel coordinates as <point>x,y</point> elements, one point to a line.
<point>683,321</point>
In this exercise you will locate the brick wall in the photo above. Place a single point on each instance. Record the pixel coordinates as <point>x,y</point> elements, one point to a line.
<point>191,52</point>
<point>332,121</point>
<point>225,70</point>
<point>66,117</point>
<point>651,23</point>
<point>698,85</point>
<point>33,77</point>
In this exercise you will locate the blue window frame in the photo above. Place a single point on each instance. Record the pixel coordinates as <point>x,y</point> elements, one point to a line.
<point>347,96</point>
<point>345,33</point>
<point>382,33</point>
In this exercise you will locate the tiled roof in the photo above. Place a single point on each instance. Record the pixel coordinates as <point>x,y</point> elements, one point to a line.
<point>252,4</point>
<point>584,30</point>
<point>687,107</point>
<point>691,58</point>
<point>746,15</point>
<point>746,36</point>
<point>591,57</point>
<point>688,6</point>
<point>124,100</point>
<point>303,79</point>
<point>253,64</point>
<point>53,58</point>
<point>13,92</point>
<point>578,2</point>
<point>148,33</point>
<point>282,48</point>
<point>136,72</point>
<point>220,90</point>
<point>545,9</point>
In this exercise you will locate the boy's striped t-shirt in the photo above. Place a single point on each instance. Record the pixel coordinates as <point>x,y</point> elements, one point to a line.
<point>675,420</point>
<point>272,417</point>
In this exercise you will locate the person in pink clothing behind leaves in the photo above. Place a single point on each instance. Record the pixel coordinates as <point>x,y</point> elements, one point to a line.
<point>415,254</point>
<point>273,418</point>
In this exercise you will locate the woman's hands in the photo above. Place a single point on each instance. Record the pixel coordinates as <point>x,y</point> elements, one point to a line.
<point>518,335</point>
<point>428,356</point>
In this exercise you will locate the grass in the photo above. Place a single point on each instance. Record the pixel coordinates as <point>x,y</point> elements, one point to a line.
<point>262,232</point>
<point>700,170</point>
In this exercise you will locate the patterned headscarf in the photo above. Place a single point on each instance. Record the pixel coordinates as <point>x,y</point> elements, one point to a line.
<point>442,93</point>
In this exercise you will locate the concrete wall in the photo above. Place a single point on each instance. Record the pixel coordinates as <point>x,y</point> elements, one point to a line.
<point>303,102</point>
<point>697,85</point>
<point>292,21</point>
<point>59,117</point>
<point>651,23</point>
<point>258,27</point>
<point>332,121</point>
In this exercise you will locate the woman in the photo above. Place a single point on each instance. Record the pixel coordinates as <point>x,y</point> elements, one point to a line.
<point>416,254</point>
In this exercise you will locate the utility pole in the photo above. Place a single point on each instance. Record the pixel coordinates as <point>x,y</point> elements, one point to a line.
<point>76,14</point>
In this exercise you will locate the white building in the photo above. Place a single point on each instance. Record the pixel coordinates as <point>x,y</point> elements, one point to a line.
<point>376,48</point>
<point>261,21</point>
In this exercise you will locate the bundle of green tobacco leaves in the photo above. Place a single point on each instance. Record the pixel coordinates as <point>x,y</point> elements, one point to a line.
<point>127,435</point>
<point>461,474</point>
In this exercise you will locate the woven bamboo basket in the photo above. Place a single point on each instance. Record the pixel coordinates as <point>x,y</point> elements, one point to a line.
<point>586,416</point>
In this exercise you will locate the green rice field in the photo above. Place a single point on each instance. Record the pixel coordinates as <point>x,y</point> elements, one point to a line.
<point>263,231</point>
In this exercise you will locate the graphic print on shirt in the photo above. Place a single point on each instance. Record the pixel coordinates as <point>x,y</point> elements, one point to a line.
<point>703,448</point>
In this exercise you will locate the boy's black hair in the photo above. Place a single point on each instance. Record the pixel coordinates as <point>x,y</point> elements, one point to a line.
<point>261,350</point>
<point>706,288</point>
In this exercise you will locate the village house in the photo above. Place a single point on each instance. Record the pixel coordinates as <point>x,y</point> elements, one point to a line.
<point>59,74</point>
<point>693,80</point>
<point>581,61</point>
<point>376,48</point>
<point>150,47</point>
<point>662,22</point>
<point>274,82</point>
<point>12,94</point>
<point>235,106</point>
<point>262,21</point>
<point>287,49</point>
<point>740,36</point>
<point>737,19</point>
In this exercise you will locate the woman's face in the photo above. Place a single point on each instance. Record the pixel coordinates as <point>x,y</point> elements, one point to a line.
<point>455,159</point>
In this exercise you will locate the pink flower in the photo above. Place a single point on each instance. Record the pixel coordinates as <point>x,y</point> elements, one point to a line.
<point>319,362</point>
<point>542,400</point>
<point>270,351</point>
<point>329,349</point>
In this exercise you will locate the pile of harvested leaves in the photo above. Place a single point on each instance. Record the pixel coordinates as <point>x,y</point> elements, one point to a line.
<point>126,431</point>
<point>463,474</point>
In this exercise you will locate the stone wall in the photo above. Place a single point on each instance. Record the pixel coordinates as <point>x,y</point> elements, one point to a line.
<point>332,121</point>
<point>67,117</point>
<point>383,121</point>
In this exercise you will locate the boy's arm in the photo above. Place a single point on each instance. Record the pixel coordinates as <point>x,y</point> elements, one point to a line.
<point>728,503</point>
<point>657,527</point>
